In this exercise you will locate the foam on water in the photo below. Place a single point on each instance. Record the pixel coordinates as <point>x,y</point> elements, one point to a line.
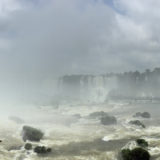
<point>62,128</point>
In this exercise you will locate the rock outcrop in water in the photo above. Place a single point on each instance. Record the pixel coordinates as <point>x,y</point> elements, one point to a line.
<point>42,150</point>
<point>108,120</point>
<point>135,154</point>
<point>28,146</point>
<point>143,115</point>
<point>137,123</point>
<point>142,143</point>
<point>104,118</point>
<point>98,114</point>
<point>32,134</point>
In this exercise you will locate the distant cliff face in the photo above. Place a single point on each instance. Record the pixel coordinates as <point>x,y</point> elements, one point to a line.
<point>87,87</point>
<point>116,86</point>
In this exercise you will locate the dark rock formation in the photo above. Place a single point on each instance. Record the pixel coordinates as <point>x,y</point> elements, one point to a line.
<point>143,115</point>
<point>108,120</point>
<point>137,123</point>
<point>135,154</point>
<point>142,143</point>
<point>98,114</point>
<point>28,146</point>
<point>32,134</point>
<point>42,150</point>
<point>146,115</point>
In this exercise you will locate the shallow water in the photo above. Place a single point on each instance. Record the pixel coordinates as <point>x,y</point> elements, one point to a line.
<point>81,138</point>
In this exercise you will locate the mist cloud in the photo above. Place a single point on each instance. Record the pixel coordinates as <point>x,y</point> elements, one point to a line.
<point>46,38</point>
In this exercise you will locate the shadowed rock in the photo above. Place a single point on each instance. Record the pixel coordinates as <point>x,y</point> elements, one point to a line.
<point>99,114</point>
<point>143,115</point>
<point>142,143</point>
<point>32,134</point>
<point>28,146</point>
<point>108,120</point>
<point>135,154</point>
<point>137,123</point>
<point>42,150</point>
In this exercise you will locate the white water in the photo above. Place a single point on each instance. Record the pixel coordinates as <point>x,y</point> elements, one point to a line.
<point>62,129</point>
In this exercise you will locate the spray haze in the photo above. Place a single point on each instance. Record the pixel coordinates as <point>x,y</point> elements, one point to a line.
<point>76,70</point>
<point>41,40</point>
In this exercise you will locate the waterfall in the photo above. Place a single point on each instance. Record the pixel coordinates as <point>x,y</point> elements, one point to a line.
<point>87,87</point>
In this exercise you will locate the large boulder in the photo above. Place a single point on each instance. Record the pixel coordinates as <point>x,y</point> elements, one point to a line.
<point>137,123</point>
<point>146,115</point>
<point>32,134</point>
<point>135,154</point>
<point>142,114</point>
<point>142,142</point>
<point>42,150</point>
<point>98,114</point>
<point>104,118</point>
<point>108,120</point>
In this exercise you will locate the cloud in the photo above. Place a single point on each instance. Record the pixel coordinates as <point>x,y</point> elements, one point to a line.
<point>60,37</point>
<point>41,39</point>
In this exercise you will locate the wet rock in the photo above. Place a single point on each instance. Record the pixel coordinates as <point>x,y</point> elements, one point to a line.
<point>137,123</point>
<point>28,146</point>
<point>42,150</point>
<point>143,115</point>
<point>142,142</point>
<point>32,134</point>
<point>135,154</point>
<point>99,114</point>
<point>138,114</point>
<point>108,120</point>
<point>146,115</point>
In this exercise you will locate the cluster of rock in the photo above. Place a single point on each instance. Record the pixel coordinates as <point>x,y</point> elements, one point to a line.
<point>104,118</point>
<point>137,123</point>
<point>108,120</point>
<point>142,114</point>
<point>38,149</point>
<point>33,134</point>
<point>138,153</point>
<point>42,150</point>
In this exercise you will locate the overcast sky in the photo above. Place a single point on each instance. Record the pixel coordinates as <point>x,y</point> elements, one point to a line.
<point>43,38</point>
<point>40,39</point>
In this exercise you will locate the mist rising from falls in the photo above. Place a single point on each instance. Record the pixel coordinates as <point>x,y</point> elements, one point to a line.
<point>87,87</point>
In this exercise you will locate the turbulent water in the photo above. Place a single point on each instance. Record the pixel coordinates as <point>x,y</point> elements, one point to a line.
<point>80,138</point>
